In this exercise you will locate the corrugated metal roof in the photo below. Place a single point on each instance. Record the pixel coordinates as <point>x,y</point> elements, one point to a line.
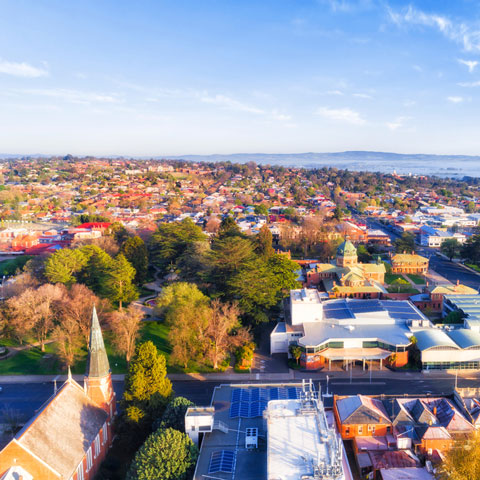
<point>465,338</point>
<point>433,337</point>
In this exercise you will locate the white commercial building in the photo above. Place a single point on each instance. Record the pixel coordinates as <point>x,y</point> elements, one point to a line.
<point>300,444</point>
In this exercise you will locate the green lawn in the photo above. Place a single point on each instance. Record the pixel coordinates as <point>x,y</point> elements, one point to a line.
<point>391,277</point>
<point>9,267</point>
<point>417,279</point>
<point>402,289</point>
<point>35,362</point>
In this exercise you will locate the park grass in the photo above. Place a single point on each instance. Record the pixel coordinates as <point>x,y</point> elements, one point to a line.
<point>35,362</point>
<point>9,267</point>
<point>473,267</point>
<point>391,277</point>
<point>416,279</point>
<point>402,289</point>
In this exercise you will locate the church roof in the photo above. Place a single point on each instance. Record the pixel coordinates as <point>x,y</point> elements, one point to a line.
<point>63,430</point>
<point>97,361</point>
<point>346,249</point>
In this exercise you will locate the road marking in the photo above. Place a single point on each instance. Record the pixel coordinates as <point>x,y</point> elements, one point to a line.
<point>358,383</point>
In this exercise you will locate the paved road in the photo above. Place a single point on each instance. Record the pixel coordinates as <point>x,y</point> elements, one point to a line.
<point>453,272</point>
<point>24,399</point>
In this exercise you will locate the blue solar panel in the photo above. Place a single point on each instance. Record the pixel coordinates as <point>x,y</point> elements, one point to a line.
<point>235,410</point>
<point>282,394</point>
<point>244,409</point>
<point>273,393</point>
<point>254,394</point>
<point>222,461</point>
<point>236,395</point>
<point>292,393</point>
<point>244,395</point>
<point>264,395</point>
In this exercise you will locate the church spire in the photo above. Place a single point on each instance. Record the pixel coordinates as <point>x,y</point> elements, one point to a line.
<point>97,361</point>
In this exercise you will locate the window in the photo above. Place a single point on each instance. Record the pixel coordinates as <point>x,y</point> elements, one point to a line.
<point>89,459</point>
<point>369,428</point>
<point>347,431</point>
<point>360,429</point>
<point>388,429</point>
<point>105,433</point>
<point>97,446</point>
<point>373,429</point>
<point>80,471</point>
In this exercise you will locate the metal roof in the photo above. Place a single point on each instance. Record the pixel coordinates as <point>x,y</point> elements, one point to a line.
<point>433,337</point>
<point>465,338</point>
<point>97,360</point>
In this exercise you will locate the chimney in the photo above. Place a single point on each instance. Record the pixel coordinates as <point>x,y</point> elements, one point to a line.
<point>435,411</point>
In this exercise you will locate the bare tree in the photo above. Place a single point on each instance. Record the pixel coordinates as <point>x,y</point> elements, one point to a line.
<point>34,311</point>
<point>105,242</point>
<point>125,328</point>
<point>223,333</point>
<point>18,284</point>
<point>76,308</point>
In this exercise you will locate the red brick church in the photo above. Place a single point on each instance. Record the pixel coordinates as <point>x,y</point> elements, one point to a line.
<point>69,436</point>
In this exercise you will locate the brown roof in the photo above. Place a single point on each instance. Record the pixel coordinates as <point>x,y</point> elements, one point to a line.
<point>61,433</point>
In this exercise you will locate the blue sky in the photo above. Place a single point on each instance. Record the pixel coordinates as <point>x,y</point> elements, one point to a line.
<point>171,77</point>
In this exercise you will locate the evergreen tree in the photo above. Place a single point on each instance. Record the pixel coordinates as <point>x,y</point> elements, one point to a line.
<point>119,285</point>
<point>96,270</point>
<point>263,242</point>
<point>172,239</point>
<point>64,265</point>
<point>147,388</point>
<point>166,455</point>
<point>174,415</point>
<point>229,228</point>
<point>136,253</point>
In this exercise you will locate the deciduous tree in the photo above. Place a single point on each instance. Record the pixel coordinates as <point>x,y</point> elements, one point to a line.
<point>125,328</point>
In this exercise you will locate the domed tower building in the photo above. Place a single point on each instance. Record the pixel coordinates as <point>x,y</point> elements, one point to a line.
<point>347,254</point>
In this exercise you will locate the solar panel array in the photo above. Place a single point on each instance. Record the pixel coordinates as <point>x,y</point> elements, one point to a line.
<point>222,461</point>
<point>402,310</point>
<point>251,402</point>
<point>337,309</point>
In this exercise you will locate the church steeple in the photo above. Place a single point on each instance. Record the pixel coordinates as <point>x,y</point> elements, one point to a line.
<point>98,378</point>
<point>97,361</point>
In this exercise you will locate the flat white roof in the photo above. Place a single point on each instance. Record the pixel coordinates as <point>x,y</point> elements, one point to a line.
<point>297,441</point>
<point>305,295</point>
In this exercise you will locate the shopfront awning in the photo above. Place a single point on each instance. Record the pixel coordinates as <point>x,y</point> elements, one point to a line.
<point>355,354</point>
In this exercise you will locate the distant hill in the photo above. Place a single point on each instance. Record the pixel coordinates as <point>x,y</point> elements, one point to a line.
<point>312,158</point>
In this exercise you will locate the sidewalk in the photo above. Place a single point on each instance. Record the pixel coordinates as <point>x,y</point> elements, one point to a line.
<point>266,377</point>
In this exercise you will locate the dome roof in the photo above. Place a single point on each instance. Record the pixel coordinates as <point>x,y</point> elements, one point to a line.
<point>346,249</point>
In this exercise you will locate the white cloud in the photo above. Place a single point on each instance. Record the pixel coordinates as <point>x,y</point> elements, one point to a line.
<point>21,69</point>
<point>72,96</point>
<point>471,64</point>
<point>455,99</point>
<point>348,6</point>
<point>460,33</point>
<point>231,103</point>
<point>335,92</point>
<point>363,95</point>
<point>470,84</point>
<point>418,68</point>
<point>399,122</point>
<point>346,115</point>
